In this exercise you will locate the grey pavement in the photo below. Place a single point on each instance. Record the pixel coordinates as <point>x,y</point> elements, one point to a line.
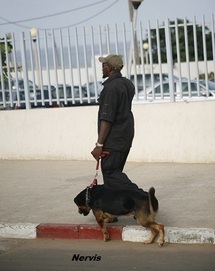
<point>43,191</point>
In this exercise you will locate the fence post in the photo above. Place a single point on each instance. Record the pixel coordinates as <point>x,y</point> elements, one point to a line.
<point>169,60</point>
<point>25,70</point>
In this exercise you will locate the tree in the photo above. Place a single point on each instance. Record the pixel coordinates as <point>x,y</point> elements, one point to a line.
<point>3,55</point>
<point>181,41</point>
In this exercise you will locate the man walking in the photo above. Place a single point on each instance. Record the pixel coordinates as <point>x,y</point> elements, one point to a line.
<point>115,124</point>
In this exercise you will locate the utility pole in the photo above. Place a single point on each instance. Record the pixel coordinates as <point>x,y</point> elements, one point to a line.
<point>133,7</point>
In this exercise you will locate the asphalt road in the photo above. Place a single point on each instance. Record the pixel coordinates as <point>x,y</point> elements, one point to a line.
<point>75,255</point>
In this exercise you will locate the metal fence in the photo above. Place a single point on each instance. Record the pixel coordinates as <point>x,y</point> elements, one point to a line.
<point>52,68</point>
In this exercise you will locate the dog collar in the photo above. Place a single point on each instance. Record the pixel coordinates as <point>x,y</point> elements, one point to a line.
<point>87,197</point>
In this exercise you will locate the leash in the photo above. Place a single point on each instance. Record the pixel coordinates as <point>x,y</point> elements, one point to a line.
<point>94,182</point>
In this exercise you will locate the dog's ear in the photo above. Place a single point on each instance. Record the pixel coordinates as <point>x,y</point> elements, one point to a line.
<point>80,199</point>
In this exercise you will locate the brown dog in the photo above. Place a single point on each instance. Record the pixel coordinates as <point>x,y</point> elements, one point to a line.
<point>105,202</point>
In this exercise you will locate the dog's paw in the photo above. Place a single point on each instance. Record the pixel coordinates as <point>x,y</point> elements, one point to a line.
<point>161,243</point>
<point>147,242</point>
<point>107,238</point>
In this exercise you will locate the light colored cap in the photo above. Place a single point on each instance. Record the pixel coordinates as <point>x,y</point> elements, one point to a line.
<point>113,60</point>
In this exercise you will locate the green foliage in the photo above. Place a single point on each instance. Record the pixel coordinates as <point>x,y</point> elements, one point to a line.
<point>4,47</point>
<point>182,44</point>
<point>210,75</point>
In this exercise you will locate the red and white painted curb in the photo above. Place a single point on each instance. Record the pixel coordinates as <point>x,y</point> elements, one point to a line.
<point>92,231</point>
<point>18,230</point>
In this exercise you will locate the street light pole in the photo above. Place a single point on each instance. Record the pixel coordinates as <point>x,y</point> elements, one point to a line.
<point>146,53</point>
<point>33,32</point>
<point>133,7</point>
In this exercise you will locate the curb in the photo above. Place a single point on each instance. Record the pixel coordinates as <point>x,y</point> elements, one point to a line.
<point>75,231</point>
<point>172,235</point>
<point>18,230</point>
<point>93,231</point>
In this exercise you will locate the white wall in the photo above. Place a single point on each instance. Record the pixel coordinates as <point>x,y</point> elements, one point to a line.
<point>175,132</point>
<point>165,132</point>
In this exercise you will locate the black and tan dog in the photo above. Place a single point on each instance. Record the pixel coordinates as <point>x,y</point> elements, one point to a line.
<point>105,202</point>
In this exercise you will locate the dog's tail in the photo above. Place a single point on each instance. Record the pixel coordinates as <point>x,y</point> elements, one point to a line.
<point>153,202</point>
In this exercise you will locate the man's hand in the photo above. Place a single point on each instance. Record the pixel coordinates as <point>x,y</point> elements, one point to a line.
<point>96,153</point>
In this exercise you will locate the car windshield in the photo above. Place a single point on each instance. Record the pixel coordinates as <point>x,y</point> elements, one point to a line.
<point>185,87</point>
<point>21,84</point>
<point>164,89</point>
<point>158,89</point>
<point>211,85</point>
<point>148,79</point>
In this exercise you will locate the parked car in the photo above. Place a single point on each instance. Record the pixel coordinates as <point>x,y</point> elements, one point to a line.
<point>70,96</point>
<point>18,92</point>
<point>211,87</point>
<point>93,88</point>
<point>148,79</point>
<point>36,95</point>
<point>52,88</point>
<point>44,98</point>
<point>180,91</point>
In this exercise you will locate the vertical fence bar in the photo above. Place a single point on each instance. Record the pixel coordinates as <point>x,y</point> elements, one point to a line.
<point>116,39</point>
<point>100,41</point>
<point>196,55</point>
<point>2,79</point>
<point>159,58</point>
<point>169,60</point>
<point>133,63</point>
<point>47,67</point>
<point>94,63</point>
<point>8,73</point>
<point>125,51</point>
<point>40,65</point>
<point>85,64</point>
<point>187,56</point>
<point>178,57</point>
<point>151,60</point>
<point>25,70</point>
<point>131,48</point>
<point>142,54</point>
<point>78,64</point>
<point>205,55</point>
<point>32,65</point>
<point>70,65</point>
<point>213,40</point>
<point>108,39</point>
<point>65,96</point>
<point>55,66</point>
<point>37,51</point>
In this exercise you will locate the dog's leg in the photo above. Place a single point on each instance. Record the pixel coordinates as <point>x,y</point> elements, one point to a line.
<point>108,218</point>
<point>156,228</point>
<point>162,234</point>
<point>154,234</point>
<point>100,220</point>
<point>147,221</point>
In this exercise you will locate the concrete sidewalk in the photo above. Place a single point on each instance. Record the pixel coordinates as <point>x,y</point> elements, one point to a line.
<point>41,193</point>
